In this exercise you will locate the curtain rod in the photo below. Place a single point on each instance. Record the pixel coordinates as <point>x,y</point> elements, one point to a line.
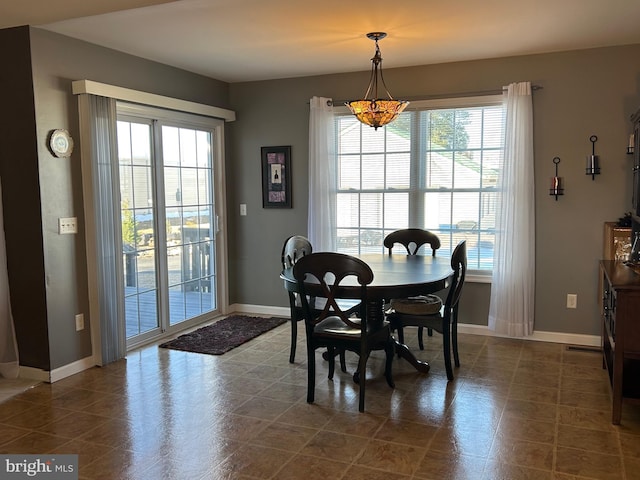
<point>446,95</point>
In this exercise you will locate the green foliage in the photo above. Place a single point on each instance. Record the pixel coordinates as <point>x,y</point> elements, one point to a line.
<point>447,129</point>
<point>129,234</point>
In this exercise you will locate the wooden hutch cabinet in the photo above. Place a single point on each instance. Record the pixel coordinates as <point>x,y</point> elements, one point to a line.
<point>621,331</point>
<point>620,306</point>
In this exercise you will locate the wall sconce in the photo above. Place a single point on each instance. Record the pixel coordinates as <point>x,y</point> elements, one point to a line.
<point>556,182</point>
<point>631,142</point>
<point>593,162</point>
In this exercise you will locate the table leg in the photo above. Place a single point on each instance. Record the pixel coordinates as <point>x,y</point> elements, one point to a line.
<point>376,313</point>
<point>403,352</point>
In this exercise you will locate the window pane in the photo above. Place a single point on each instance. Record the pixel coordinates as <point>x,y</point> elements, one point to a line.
<point>348,205</point>
<point>371,210</point>
<point>465,207</point>
<point>492,162</point>
<point>399,134</point>
<point>348,135</point>
<point>187,147</point>
<point>438,170</point>
<point>372,140</point>
<point>170,146</point>
<point>172,191</point>
<point>189,186</point>
<point>468,129</point>
<point>398,170</point>
<point>437,211</point>
<point>373,172</point>
<point>467,169</point>
<point>396,210</point>
<point>349,172</point>
<point>493,131</point>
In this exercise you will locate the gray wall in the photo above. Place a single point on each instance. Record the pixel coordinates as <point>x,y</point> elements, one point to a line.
<point>584,93</point>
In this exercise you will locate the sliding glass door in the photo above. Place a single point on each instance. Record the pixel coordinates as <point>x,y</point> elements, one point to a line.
<point>167,180</point>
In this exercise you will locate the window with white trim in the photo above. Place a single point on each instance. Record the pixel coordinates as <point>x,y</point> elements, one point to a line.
<point>435,167</point>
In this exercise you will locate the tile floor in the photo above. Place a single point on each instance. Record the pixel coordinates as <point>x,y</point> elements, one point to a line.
<point>516,410</point>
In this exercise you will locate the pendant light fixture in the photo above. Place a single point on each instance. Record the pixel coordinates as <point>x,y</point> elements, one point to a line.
<point>375,111</point>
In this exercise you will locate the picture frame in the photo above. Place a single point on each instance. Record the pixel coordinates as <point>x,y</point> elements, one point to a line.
<point>276,177</point>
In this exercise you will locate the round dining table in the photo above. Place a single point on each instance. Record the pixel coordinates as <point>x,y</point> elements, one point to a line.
<point>394,276</point>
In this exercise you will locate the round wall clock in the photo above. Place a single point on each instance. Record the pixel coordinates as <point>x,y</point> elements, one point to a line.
<point>61,143</point>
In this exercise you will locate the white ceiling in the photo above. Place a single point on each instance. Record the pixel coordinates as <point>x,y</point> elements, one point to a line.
<point>245,40</point>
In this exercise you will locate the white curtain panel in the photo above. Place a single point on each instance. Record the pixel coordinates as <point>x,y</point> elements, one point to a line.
<point>9,362</point>
<point>322,174</point>
<point>511,311</point>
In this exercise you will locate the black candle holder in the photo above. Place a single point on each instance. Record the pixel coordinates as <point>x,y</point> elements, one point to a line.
<point>593,162</point>
<point>556,182</point>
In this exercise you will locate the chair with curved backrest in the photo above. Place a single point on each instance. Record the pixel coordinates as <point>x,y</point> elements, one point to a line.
<point>412,239</point>
<point>445,321</point>
<point>323,275</point>
<point>294,248</point>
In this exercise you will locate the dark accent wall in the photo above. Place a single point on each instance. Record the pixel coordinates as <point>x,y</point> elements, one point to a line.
<point>21,200</point>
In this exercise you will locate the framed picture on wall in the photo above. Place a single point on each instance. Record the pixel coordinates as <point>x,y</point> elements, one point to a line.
<point>276,177</point>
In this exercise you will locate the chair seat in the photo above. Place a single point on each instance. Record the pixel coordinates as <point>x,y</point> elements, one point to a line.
<point>420,305</point>
<point>434,321</point>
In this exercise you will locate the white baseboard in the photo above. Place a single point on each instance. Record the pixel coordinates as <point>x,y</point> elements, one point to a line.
<point>553,337</point>
<point>259,310</point>
<point>58,373</point>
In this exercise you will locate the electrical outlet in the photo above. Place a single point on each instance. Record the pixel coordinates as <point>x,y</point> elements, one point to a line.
<point>572,300</point>
<point>67,225</point>
<point>243,209</point>
<point>79,322</point>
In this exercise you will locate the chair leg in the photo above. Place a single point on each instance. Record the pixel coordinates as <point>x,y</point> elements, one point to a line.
<point>362,380</point>
<point>446,347</point>
<point>420,342</point>
<point>294,338</point>
<point>400,331</point>
<point>331,353</point>
<point>389,349</point>
<point>454,338</point>
<point>343,361</point>
<point>430,332</point>
<point>311,373</point>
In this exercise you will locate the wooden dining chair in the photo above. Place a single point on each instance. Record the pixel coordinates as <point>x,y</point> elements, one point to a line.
<point>294,248</point>
<point>323,275</point>
<point>445,321</point>
<point>412,239</point>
